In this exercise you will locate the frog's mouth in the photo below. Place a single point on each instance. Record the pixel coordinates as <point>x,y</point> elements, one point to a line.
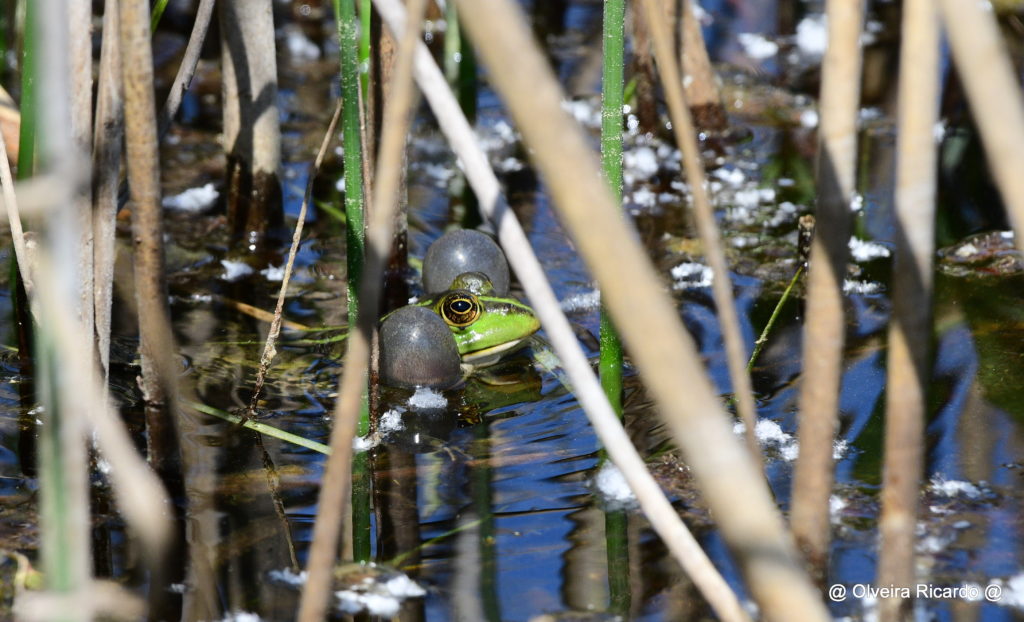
<point>488,356</point>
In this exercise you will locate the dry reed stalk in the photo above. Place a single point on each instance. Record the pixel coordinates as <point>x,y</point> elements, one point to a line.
<point>910,327</point>
<point>157,342</point>
<point>825,327</point>
<point>336,484</point>
<point>588,389</point>
<point>109,133</point>
<point>269,348</point>
<point>10,125</point>
<point>693,163</point>
<point>21,253</point>
<point>699,79</point>
<point>80,63</point>
<point>995,95</point>
<point>252,134</point>
<point>661,348</point>
<point>187,69</point>
<point>643,72</point>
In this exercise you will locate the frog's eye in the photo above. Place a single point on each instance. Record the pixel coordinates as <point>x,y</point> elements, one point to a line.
<point>460,309</point>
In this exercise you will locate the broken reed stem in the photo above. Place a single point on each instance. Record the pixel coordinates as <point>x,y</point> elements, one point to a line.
<point>910,326</point>
<point>144,181</point>
<point>663,351</point>
<point>109,134</point>
<point>646,107</point>
<point>336,484</point>
<point>699,80</point>
<point>994,93</point>
<point>612,100</point>
<point>269,348</point>
<point>686,139</point>
<point>825,327</point>
<point>187,69</point>
<point>659,511</point>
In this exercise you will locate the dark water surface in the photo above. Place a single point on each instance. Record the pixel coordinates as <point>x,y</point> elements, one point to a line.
<point>495,511</point>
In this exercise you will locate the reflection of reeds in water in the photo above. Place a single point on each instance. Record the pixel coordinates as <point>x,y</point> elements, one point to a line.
<point>72,310</point>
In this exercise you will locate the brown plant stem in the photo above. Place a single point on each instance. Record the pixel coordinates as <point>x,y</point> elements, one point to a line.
<point>643,72</point>
<point>252,135</point>
<point>109,133</point>
<point>144,180</point>
<point>686,139</point>
<point>910,327</point>
<point>698,76</point>
<point>824,329</point>
<point>80,65</point>
<point>187,69</point>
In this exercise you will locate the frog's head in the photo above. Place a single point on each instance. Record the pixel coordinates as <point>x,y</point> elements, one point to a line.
<point>484,326</point>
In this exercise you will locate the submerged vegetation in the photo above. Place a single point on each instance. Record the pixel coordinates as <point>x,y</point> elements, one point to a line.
<point>801,219</point>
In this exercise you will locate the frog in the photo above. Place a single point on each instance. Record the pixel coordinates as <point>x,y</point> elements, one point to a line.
<point>486,326</point>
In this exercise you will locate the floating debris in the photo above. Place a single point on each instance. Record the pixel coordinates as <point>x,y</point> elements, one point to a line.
<point>690,275</point>
<point>812,35</point>
<point>287,576</point>
<point>193,200</point>
<point>863,250</point>
<point>425,398</point>
<point>234,270</point>
<point>375,589</point>
<point>612,486</point>
<point>757,46</point>
<point>863,288</point>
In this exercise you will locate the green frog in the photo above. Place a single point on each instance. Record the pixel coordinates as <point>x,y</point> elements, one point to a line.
<point>485,326</point>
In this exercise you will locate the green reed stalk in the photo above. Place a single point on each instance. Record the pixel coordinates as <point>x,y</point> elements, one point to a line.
<point>460,63</point>
<point>460,70</point>
<point>482,492</point>
<point>5,13</point>
<point>58,552</point>
<point>364,47</point>
<point>29,105</point>
<point>262,428</point>
<point>610,364</point>
<point>361,506</point>
<point>616,523</point>
<point>763,338</point>
<point>158,12</point>
<point>355,237</point>
<point>351,48</point>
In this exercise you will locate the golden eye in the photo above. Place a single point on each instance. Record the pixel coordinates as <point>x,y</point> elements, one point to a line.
<point>460,309</point>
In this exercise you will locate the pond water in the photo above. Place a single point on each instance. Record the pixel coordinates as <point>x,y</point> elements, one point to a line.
<point>487,496</point>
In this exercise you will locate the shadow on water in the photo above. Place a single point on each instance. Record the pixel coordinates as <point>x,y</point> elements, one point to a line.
<point>496,512</point>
